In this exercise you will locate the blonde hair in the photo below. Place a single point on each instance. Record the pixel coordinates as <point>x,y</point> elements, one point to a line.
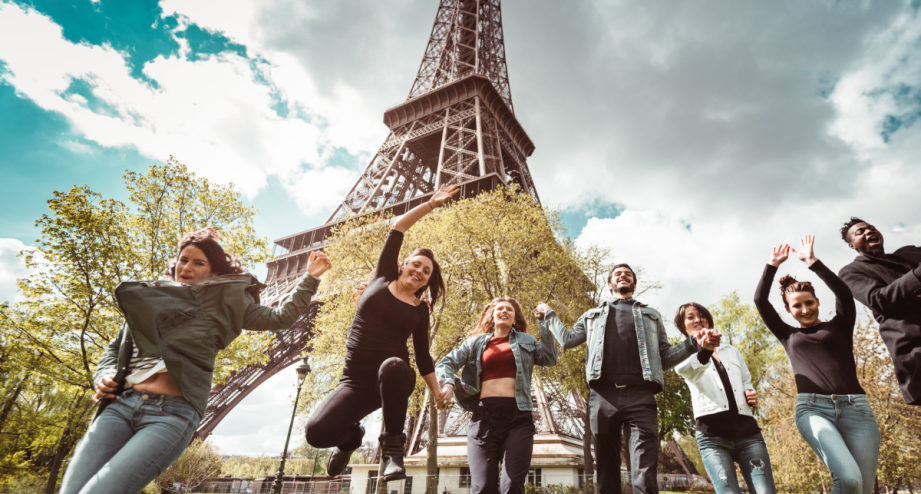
<point>488,325</point>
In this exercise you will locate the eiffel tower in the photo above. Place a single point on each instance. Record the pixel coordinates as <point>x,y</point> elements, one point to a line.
<point>457,126</point>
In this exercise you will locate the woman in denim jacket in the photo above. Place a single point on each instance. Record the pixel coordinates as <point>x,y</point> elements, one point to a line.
<point>723,397</point>
<point>153,380</point>
<point>497,359</point>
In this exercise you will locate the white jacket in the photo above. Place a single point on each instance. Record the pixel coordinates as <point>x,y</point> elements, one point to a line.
<point>707,393</point>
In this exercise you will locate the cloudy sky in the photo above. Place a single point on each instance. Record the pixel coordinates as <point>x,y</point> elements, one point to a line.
<point>687,136</point>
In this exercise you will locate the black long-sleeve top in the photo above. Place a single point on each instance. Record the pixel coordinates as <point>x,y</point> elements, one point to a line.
<point>822,356</point>
<point>383,322</point>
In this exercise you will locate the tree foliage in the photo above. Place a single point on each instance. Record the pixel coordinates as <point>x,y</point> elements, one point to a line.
<point>88,244</point>
<point>195,465</point>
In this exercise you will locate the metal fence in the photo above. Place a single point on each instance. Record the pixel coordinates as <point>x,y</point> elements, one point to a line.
<point>537,482</point>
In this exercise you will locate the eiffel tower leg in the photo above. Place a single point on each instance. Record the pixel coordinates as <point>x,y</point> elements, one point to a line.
<point>479,138</point>
<point>441,150</point>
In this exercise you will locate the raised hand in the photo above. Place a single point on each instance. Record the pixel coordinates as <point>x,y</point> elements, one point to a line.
<point>806,255</point>
<point>779,254</point>
<point>541,310</point>
<point>104,389</point>
<point>318,263</point>
<point>752,397</point>
<point>443,195</point>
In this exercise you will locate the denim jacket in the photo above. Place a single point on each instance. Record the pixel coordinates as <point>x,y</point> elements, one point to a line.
<point>656,354</point>
<point>707,393</point>
<point>528,353</point>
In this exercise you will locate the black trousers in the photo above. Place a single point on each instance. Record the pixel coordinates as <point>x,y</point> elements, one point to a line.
<point>610,409</point>
<point>499,431</point>
<point>336,420</point>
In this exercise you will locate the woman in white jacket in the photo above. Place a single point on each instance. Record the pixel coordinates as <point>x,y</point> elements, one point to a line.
<point>723,398</point>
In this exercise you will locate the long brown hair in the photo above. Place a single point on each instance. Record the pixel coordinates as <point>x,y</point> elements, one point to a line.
<point>487,325</point>
<point>788,284</point>
<point>435,286</point>
<point>206,239</point>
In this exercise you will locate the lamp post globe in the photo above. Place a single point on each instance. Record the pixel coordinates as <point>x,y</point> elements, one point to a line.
<point>302,371</point>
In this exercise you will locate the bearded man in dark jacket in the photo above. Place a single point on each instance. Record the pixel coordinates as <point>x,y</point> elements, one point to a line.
<point>890,285</point>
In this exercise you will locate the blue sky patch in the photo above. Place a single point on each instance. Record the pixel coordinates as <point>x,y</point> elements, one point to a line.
<point>575,219</point>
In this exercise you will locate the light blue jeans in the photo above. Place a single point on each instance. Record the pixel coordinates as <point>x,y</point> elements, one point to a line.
<point>842,431</point>
<point>131,442</point>
<point>720,454</point>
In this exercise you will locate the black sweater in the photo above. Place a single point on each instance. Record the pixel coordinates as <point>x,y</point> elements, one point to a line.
<point>383,323</point>
<point>822,356</point>
<point>890,286</point>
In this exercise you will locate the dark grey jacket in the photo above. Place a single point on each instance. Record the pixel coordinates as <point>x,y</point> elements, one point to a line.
<point>890,286</point>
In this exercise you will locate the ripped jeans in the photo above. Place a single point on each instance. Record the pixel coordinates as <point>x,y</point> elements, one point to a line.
<point>720,454</point>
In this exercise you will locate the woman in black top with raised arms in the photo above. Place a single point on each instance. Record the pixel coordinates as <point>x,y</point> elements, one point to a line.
<point>832,411</point>
<point>377,373</point>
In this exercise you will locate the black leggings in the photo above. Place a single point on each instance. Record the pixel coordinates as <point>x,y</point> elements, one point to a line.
<point>335,422</point>
<point>499,431</point>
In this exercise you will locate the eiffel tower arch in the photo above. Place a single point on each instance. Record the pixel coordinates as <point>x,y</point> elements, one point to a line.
<point>457,126</point>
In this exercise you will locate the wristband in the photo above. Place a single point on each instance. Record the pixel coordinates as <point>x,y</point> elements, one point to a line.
<point>430,205</point>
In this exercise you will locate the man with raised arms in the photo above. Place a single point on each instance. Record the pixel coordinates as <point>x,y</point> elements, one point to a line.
<point>628,352</point>
<point>890,285</point>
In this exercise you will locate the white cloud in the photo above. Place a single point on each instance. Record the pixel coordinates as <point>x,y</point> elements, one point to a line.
<point>12,268</point>
<point>212,114</point>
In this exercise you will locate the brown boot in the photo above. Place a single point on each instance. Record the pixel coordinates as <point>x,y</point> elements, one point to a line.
<point>392,457</point>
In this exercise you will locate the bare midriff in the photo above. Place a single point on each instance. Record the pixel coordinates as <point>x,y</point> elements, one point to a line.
<point>504,387</point>
<point>160,383</point>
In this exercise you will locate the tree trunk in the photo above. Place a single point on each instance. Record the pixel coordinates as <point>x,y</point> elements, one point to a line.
<point>624,447</point>
<point>68,439</point>
<point>431,449</point>
<point>9,404</point>
<point>589,469</point>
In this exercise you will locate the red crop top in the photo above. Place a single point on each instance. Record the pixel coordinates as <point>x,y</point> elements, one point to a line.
<point>498,360</point>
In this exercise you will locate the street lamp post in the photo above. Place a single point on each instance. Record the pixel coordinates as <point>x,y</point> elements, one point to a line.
<point>302,371</point>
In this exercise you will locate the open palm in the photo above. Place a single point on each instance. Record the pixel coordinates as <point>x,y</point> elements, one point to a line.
<point>806,252</point>
<point>444,194</point>
<point>779,254</point>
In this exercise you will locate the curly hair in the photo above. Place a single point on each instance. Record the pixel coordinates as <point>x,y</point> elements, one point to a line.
<point>682,312</point>
<point>847,227</point>
<point>487,325</point>
<point>206,239</point>
<point>788,284</point>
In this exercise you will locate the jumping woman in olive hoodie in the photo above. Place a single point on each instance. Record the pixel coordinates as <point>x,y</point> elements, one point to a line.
<point>154,378</point>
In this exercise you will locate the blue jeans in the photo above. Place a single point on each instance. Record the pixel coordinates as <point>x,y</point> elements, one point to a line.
<point>842,431</point>
<point>132,441</point>
<point>720,454</point>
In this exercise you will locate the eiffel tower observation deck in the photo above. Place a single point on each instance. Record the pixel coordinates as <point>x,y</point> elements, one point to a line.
<point>457,126</point>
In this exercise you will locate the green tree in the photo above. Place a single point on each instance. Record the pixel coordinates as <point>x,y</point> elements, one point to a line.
<point>89,244</point>
<point>676,412</point>
<point>499,243</point>
<point>742,327</point>
<point>198,462</point>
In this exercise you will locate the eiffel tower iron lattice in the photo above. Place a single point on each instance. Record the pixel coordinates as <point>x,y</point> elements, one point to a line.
<point>457,126</point>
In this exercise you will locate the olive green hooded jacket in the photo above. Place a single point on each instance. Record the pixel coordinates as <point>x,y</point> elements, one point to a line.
<point>187,324</point>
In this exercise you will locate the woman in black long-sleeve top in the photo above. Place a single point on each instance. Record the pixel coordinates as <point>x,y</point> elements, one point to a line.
<point>832,411</point>
<point>377,373</point>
